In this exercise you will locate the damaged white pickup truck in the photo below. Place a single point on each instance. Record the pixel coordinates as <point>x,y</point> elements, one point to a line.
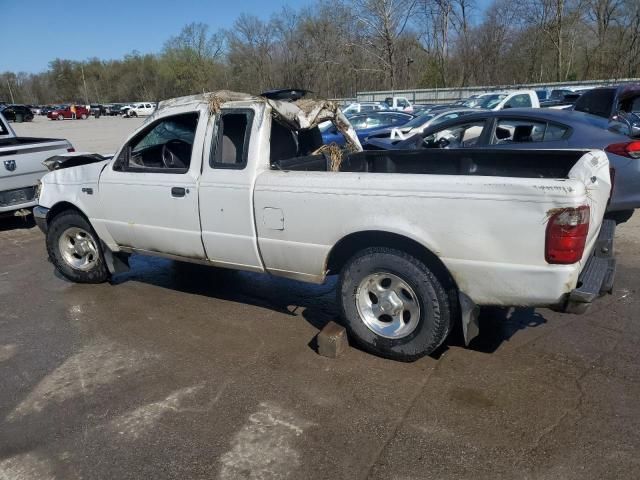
<point>419,238</point>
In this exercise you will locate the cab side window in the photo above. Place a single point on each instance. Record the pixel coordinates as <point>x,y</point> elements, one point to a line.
<point>519,101</point>
<point>165,146</point>
<point>231,147</point>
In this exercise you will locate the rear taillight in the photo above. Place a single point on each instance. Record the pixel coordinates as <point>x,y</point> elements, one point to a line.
<point>567,235</point>
<point>626,149</point>
<point>71,149</point>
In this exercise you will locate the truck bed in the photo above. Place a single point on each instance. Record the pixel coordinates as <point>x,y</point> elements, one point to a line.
<point>481,212</point>
<point>483,162</point>
<point>21,159</point>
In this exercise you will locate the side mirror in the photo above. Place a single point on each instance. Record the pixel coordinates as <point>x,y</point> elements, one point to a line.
<point>507,105</point>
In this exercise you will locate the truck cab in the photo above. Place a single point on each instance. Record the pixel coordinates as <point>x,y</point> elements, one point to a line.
<point>401,104</point>
<point>508,99</point>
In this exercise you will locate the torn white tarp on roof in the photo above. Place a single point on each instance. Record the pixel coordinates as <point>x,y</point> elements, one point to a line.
<point>302,114</point>
<point>306,113</point>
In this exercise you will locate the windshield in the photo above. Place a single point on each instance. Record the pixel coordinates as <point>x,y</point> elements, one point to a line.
<point>177,129</point>
<point>485,101</point>
<point>419,120</point>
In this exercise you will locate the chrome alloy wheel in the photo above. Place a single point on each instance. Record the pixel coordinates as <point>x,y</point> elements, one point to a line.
<point>387,305</point>
<point>78,248</point>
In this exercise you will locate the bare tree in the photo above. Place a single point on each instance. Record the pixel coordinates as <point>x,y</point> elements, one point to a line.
<point>383,22</point>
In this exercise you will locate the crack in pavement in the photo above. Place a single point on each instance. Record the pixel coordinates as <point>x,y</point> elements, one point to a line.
<point>400,422</point>
<point>576,408</point>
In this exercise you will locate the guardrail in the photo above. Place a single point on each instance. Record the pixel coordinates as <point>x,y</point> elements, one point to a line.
<point>448,95</point>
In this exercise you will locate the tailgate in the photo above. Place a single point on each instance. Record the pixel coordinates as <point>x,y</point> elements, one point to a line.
<point>21,164</point>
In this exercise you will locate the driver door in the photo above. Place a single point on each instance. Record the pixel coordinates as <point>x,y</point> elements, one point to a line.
<point>149,194</point>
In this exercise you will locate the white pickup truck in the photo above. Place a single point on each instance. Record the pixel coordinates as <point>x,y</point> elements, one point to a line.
<point>503,100</point>
<point>420,238</point>
<point>21,167</point>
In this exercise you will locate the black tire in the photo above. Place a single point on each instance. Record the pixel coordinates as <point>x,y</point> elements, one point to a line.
<point>435,311</point>
<point>98,273</point>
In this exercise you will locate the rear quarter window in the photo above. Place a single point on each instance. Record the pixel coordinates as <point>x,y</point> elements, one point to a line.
<point>526,131</point>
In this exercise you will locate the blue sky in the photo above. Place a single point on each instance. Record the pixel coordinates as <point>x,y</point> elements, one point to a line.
<point>35,32</point>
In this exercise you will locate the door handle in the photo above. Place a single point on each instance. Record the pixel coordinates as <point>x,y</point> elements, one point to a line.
<point>178,192</point>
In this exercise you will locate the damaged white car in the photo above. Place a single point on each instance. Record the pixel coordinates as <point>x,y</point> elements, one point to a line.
<point>419,239</point>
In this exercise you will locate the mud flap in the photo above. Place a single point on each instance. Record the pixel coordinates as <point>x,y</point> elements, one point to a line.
<point>469,312</point>
<point>116,262</point>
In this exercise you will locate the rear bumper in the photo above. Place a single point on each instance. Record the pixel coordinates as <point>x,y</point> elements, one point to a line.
<point>598,275</point>
<point>40,217</point>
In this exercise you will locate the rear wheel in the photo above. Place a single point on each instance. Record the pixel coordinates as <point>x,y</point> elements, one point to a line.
<point>393,305</point>
<point>74,249</point>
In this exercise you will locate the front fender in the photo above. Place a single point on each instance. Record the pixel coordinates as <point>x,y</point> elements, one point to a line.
<point>76,187</point>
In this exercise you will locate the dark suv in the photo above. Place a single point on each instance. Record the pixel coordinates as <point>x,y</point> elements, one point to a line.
<point>620,105</point>
<point>11,112</point>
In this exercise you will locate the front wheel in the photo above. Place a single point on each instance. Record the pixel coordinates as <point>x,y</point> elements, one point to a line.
<point>83,116</point>
<point>74,249</point>
<point>393,305</point>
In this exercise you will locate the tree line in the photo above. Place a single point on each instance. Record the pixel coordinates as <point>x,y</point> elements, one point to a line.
<point>338,47</point>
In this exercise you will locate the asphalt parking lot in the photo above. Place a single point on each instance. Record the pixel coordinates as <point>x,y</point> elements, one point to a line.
<point>180,371</point>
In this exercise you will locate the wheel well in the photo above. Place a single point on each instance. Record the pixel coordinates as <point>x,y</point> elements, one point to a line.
<point>60,207</point>
<point>353,243</point>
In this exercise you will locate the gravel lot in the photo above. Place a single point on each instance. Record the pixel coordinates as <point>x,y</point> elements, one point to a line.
<point>179,371</point>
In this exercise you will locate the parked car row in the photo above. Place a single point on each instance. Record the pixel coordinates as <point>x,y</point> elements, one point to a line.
<point>26,113</point>
<point>383,119</point>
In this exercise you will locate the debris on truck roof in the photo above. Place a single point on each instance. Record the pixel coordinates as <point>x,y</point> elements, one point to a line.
<point>301,114</point>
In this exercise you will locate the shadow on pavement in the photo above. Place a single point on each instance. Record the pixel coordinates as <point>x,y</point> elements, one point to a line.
<point>258,289</point>
<point>15,223</point>
<point>498,325</point>
<point>317,302</point>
